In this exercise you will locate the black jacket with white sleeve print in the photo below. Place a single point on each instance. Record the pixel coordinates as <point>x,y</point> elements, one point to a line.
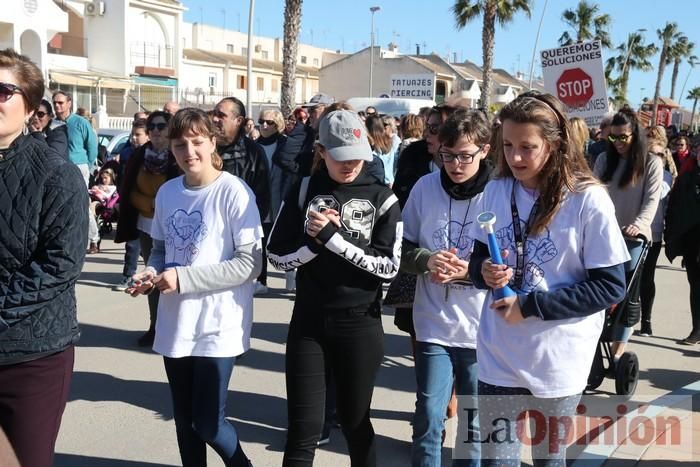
<point>349,265</point>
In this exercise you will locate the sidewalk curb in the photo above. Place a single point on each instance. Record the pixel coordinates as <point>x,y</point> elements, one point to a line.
<point>597,455</point>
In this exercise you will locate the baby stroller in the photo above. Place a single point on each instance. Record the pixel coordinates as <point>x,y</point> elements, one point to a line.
<point>626,371</point>
<point>107,213</point>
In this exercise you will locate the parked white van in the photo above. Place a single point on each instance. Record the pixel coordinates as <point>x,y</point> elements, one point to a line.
<point>395,107</point>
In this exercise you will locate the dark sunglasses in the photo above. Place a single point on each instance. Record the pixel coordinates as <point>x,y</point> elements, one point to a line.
<point>620,138</point>
<point>7,90</point>
<point>40,114</point>
<point>153,126</point>
<point>463,158</point>
<point>269,122</point>
<point>433,129</point>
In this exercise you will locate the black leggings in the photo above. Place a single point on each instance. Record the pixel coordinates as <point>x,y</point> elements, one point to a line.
<point>351,342</point>
<point>267,228</point>
<point>648,287</point>
<point>692,269</point>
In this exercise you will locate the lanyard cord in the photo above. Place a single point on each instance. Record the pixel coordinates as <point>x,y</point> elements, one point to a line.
<point>520,236</point>
<point>449,233</point>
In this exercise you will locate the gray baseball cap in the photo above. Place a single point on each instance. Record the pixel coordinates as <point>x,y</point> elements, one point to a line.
<point>319,99</point>
<point>344,136</point>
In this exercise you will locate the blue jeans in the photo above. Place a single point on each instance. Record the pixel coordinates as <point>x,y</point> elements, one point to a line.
<point>199,386</point>
<point>132,250</point>
<point>437,367</point>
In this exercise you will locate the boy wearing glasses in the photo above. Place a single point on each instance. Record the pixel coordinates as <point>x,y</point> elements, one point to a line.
<point>438,219</point>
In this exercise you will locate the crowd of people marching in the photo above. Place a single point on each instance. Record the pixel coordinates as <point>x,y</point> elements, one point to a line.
<point>344,201</point>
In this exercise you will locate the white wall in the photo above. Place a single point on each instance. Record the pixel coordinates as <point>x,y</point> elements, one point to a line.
<point>157,30</point>
<point>40,19</point>
<point>105,36</point>
<point>216,39</point>
<point>334,78</point>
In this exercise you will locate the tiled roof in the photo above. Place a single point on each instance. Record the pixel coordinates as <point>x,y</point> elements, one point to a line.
<point>433,62</point>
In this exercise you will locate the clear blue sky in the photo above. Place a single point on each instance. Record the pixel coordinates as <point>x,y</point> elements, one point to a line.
<point>345,25</point>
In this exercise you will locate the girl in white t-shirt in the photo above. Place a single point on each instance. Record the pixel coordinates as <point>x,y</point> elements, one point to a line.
<point>564,256</point>
<point>437,243</point>
<point>207,251</point>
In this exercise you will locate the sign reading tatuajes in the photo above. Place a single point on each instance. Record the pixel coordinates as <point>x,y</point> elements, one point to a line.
<point>574,73</point>
<point>420,86</point>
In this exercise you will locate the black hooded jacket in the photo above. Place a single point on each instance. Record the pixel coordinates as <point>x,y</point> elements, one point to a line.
<point>345,268</point>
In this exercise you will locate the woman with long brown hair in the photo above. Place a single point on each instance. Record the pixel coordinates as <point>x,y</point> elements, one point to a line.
<point>633,178</point>
<point>381,144</point>
<point>564,257</point>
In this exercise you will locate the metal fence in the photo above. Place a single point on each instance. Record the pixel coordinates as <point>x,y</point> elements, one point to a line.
<point>147,97</point>
<point>151,54</point>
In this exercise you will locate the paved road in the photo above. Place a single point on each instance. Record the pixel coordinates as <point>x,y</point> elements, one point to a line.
<point>119,411</point>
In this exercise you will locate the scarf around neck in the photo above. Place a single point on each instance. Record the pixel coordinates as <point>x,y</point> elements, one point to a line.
<point>470,188</point>
<point>156,161</point>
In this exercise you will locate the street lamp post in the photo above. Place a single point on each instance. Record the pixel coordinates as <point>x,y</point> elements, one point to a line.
<point>249,76</point>
<point>373,9</point>
<point>534,48</point>
<point>692,62</point>
<point>631,44</point>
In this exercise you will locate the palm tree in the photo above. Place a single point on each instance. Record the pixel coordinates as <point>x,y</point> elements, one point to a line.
<point>587,25</point>
<point>493,10</point>
<point>693,94</point>
<point>680,49</point>
<point>633,55</point>
<point>667,35</point>
<point>292,26</point>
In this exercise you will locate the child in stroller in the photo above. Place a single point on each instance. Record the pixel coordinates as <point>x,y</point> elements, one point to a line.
<point>104,200</point>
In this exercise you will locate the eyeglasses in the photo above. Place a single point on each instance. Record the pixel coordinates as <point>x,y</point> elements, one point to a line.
<point>433,129</point>
<point>40,114</point>
<point>159,126</point>
<point>620,138</point>
<point>463,158</point>
<point>268,122</point>
<point>7,90</point>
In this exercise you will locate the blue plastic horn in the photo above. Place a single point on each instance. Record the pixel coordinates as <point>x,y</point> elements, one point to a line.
<point>486,221</point>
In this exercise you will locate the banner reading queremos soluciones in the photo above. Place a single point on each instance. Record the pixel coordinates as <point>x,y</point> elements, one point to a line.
<point>505,426</point>
<point>575,74</point>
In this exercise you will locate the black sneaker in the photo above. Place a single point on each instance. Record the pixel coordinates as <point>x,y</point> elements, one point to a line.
<point>146,340</point>
<point>690,340</point>
<point>645,330</point>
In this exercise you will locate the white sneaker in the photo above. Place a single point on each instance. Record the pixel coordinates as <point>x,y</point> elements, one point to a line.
<point>260,289</point>
<point>290,280</point>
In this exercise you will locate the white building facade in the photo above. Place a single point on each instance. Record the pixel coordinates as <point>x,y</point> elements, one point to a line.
<point>121,56</point>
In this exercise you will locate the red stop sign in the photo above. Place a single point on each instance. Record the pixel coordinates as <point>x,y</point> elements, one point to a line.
<point>574,87</point>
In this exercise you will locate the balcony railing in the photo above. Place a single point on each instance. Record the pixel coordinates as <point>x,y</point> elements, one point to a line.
<point>151,55</point>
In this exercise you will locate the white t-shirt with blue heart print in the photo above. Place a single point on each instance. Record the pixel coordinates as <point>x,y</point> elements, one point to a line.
<point>202,226</point>
<point>445,317</point>
<point>550,358</point>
